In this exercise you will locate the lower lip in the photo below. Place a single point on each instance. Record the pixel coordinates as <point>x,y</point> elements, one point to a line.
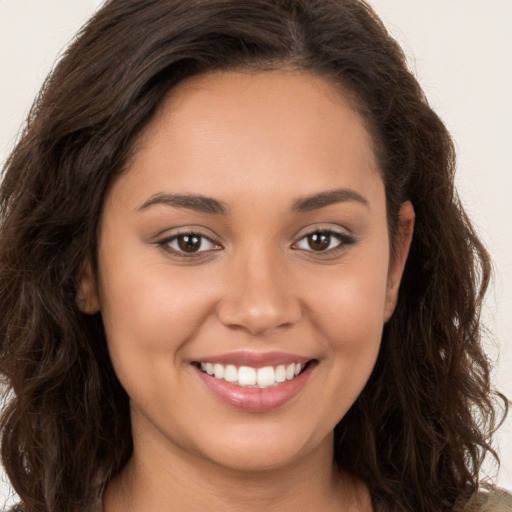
<point>256,399</point>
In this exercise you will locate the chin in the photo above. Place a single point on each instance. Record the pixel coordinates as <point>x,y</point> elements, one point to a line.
<point>255,459</point>
<point>263,449</point>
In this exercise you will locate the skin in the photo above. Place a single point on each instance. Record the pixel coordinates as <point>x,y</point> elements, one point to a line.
<point>258,143</point>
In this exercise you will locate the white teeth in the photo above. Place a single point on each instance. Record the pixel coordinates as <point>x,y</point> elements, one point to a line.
<point>231,373</point>
<point>266,377</point>
<point>218,371</point>
<point>246,376</point>
<point>281,373</point>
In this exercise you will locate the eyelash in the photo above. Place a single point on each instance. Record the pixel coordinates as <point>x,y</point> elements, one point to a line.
<point>342,239</point>
<point>165,244</point>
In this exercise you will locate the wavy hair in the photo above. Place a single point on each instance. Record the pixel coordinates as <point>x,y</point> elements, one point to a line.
<point>421,427</point>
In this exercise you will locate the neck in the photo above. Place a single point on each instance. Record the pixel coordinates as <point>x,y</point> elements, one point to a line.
<point>172,479</point>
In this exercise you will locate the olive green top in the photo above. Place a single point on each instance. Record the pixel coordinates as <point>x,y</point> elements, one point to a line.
<point>497,500</point>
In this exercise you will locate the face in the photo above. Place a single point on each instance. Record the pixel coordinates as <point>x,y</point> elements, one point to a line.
<point>244,269</point>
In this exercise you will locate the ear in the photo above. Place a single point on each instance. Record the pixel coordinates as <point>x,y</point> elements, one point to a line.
<point>87,298</point>
<point>399,253</point>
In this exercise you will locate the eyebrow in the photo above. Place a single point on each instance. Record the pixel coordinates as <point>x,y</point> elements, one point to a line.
<point>205,204</point>
<point>194,202</point>
<point>323,199</point>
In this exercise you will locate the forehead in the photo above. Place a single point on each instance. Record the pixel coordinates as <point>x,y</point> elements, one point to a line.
<point>255,129</point>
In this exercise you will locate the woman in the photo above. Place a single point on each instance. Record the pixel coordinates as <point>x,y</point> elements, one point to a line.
<point>235,275</point>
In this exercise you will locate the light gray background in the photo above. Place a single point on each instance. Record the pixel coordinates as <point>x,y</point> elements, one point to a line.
<point>461,51</point>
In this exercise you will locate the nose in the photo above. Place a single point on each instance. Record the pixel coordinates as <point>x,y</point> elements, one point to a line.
<point>258,295</point>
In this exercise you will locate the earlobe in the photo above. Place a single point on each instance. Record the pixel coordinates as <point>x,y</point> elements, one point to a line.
<point>399,253</point>
<point>87,299</point>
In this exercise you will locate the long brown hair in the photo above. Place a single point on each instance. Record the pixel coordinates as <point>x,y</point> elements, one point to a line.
<point>420,429</point>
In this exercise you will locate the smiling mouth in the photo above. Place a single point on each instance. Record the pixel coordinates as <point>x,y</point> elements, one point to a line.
<point>250,377</point>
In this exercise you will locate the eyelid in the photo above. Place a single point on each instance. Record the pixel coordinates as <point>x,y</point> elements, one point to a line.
<point>345,239</point>
<point>164,242</point>
<point>166,238</point>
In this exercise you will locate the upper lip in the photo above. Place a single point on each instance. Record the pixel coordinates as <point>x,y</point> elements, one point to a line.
<point>254,359</point>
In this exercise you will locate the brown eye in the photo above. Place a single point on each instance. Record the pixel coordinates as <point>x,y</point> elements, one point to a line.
<point>319,241</point>
<point>324,241</point>
<point>189,243</point>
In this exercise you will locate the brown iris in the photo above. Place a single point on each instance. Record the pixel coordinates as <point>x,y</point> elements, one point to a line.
<point>189,243</point>
<point>319,241</point>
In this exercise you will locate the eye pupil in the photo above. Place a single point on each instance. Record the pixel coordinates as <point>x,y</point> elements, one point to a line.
<point>189,243</point>
<point>319,241</point>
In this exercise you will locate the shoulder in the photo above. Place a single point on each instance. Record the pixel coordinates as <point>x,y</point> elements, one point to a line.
<point>497,500</point>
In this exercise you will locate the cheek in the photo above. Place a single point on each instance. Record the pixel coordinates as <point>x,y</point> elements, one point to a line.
<point>149,311</point>
<point>349,307</point>
<point>348,313</point>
